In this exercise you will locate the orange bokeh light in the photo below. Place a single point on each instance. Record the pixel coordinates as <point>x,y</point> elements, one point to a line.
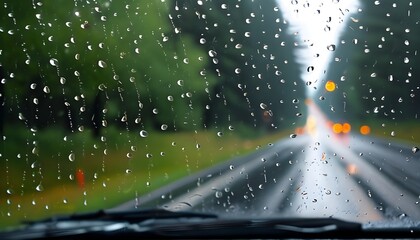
<point>337,128</point>
<point>346,127</point>
<point>330,86</point>
<point>365,130</point>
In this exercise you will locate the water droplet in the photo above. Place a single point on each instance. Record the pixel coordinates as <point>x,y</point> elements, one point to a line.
<point>331,47</point>
<point>54,62</point>
<point>180,82</point>
<point>219,134</point>
<point>163,127</point>
<point>415,149</point>
<point>102,64</point>
<point>293,135</point>
<point>144,133</point>
<point>263,106</point>
<point>393,133</point>
<point>102,87</point>
<point>46,89</point>
<point>72,157</point>
<point>39,188</point>
<point>212,53</point>
<point>231,167</point>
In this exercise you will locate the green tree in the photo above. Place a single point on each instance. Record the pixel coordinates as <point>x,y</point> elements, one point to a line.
<point>377,72</point>
<point>83,64</point>
<point>253,58</point>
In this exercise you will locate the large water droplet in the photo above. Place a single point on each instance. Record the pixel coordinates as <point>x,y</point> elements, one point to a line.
<point>72,157</point>
<point>331,47</point>
<point>39,188</point>
<point>102,64</point>
<point>54,62</point>
<point>144,133</point>
<point>263,105</point>
<point>212,53</point>
<point>46,89</point>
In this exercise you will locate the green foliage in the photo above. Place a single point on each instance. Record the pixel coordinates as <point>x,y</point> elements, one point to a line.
<point>252,56</point>
<point>66,62</point>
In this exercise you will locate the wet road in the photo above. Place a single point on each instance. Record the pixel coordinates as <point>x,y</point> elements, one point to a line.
<point>317,174</point>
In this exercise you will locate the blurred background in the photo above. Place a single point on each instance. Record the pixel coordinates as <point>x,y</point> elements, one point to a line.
<point>103,101</point>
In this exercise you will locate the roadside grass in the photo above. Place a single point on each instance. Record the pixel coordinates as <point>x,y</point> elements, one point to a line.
<point>407,132</point>
<point>121,166</point>
<point>114,170</point>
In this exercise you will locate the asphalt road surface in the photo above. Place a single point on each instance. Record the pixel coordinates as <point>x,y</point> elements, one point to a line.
<point>316,174</point>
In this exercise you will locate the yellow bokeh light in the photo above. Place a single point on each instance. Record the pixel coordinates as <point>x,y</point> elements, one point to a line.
<point>337,128</point>
<point>330,86</point>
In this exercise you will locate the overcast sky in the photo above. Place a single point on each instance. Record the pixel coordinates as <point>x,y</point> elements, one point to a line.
<point>318,25</point>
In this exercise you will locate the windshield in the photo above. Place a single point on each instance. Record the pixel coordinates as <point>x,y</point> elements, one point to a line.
<point>235,108</point>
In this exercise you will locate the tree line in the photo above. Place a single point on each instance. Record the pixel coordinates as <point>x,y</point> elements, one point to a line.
<point>176,65</point>
<point>376,67</point>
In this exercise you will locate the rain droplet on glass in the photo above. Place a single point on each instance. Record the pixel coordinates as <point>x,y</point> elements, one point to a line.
<point>331,47</point>
<point>72,157</point>
<point>54,62</point>
<point>102,64</point>
<point>143,133</point>
<point>46,89</point>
